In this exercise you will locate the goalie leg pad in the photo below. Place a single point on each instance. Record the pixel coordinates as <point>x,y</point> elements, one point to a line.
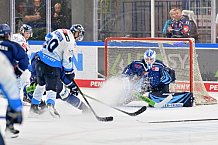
<point>181,99</point>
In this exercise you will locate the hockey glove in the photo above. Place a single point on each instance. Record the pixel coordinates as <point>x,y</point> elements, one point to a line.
<point>74,91</point>
<point>17,71</point>
<point>13,116</point>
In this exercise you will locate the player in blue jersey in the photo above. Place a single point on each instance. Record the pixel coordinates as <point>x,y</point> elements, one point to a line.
<point>14,52</point>
<point>54,60</point>
<point>18,59</point>
<point>10,91</point>
<point>156,76</point>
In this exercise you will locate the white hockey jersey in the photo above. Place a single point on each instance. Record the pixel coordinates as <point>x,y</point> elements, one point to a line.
<point>21,40</point>
<point>59,49</point>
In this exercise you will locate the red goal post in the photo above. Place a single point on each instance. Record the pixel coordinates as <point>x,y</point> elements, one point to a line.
<point>177,53</point>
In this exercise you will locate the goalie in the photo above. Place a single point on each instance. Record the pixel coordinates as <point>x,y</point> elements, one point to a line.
<point>156,76</point>
<point>151,76</point>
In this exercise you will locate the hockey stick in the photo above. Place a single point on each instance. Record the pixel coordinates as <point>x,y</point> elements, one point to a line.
<point>110,118</point>
<point>151,102</point>
<point>128,113</point>
<point>2,117</point>
<point>185,120</point>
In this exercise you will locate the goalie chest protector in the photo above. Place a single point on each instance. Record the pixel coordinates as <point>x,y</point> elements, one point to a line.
<point>180,99</point>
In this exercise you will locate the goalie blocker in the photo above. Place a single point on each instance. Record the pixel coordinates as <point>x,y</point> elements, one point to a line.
<point>180,99</point>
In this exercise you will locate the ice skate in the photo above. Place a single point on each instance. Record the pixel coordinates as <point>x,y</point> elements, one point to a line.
<point>11,132</point>
<point>84,108</point>
<point>42,105</point>
<point>35,109</point>
<point>26,101</point>
<point>54,113</point>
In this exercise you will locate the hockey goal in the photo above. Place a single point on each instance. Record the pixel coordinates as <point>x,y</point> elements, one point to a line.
<point>177,53</point>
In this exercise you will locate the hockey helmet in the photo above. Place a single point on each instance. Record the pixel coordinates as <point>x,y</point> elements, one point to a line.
<point>150,57</point>
<point>78,28</point>
<point>26,28</point>
<point>5,30</point>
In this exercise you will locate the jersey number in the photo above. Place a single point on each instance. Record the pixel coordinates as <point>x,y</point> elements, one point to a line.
<point>52,45</point>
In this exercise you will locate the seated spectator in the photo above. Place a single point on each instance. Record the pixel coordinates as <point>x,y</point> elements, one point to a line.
<point>59,20</point>
<point>180,26</point>
<point>193,24</point>
<point>167,24</point>
<point>36,19</point>
<point>20,12</point>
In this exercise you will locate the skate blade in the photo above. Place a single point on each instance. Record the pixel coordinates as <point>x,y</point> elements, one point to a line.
<point>53,113</point>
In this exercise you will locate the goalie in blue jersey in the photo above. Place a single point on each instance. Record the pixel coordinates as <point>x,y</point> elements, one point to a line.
<point>152,77</point>
<point>155,76</point>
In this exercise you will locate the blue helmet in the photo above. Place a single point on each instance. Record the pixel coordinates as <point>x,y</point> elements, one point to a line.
<point>78,28</point>
<point>5,30</point>
<point>150,57</point>
<point>26,28</point>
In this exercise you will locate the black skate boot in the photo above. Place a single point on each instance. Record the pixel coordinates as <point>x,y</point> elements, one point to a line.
<point>35,109</point>
<point>26,99</point>
<point>54,113</point>
<point>11,132</point>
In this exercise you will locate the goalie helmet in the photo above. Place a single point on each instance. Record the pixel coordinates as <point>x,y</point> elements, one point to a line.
<point>78,28</point>
<point>26,28</point>
<point>5,30</point>
<point>150,57</point>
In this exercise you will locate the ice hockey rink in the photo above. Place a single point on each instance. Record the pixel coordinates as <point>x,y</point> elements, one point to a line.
<point>75,128</point>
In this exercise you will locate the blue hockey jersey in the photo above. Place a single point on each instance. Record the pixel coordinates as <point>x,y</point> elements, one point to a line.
<point>15,53</point>
<point>178,27</point>
<point>158,75</point>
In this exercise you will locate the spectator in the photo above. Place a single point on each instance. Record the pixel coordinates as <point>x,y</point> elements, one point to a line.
<point>36,19</point>
<point>217,28</point>
<point>59,20</point>
<point>193,24</point>
<point>180,26</point>
<point>20,13</point>
<point>167,24</point>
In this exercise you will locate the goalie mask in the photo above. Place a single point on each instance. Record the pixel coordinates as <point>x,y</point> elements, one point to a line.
<point>26,28</point>
<point>78,28</point>
<point>150,57</point>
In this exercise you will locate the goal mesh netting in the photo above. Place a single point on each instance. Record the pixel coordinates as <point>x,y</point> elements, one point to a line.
<point>177,53</point>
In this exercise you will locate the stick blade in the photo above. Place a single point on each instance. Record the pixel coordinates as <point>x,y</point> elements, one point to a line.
<point>141,110</point>
<point>105,119</point>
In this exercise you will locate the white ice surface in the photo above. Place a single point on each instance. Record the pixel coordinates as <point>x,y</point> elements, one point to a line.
<point>75,128</point>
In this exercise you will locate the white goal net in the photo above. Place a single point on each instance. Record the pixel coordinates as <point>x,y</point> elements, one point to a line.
<point>176,53</point>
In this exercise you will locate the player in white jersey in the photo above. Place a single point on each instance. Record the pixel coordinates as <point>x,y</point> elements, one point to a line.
<point>11,93</point>
<point>21,38</point>
<point>24,34</point>
<point>53,59</point>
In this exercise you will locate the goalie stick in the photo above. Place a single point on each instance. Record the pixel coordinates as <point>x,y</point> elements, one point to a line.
<point>152,103</point>
<point>110,118</point>
<point>142,109</point>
